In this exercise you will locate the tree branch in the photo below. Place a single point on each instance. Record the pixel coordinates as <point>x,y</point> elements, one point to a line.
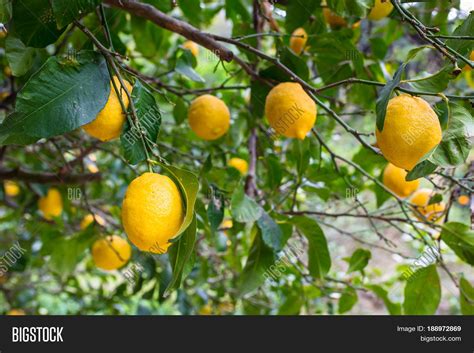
<point>47,178</point>
<point>186,30</point>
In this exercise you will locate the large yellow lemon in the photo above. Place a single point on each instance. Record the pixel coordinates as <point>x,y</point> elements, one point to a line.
<point>16,312</point>
<point>394,179</point>
<point>411,130</point>
<point>298,40</point>
<point>111,253</point>
<point>89,219</point>
<point>152,212</point>
<point>11,188</point>
<point>192,47</point>
<point>290,111</point>
<point>333,20</point>
<point>51,205</point>
<point>432,212</point>
<point>209,117</point>
<point>240,164</point>
<point>381,9</point>
<point>464,200</point>
<point>109,122</point>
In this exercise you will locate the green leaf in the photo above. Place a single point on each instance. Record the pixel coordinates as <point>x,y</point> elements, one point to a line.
<point>184,65</point>
<point>271,232</point>
<point>66,11</point>
<point>260,259</point>
<point>295,63</point>
<point>298,13</point>
<point>466,293</point>
<point>5,11</point>
<point>422,169</point>
<point>292,304</point>
<point>192,10</point>
<point>180,253</point>
<point>346,8</point>
<point>319,259</point>
<point>20,58</point>
<point>148,36</point>
<point>436,82</point>
<point>385,95</point>
<point>67,252</point>
<point>359,260</point>
<point>258,95</point>
<point>180,111</point>
<point>422,292</point>
<point>379,47</point>
<point>33,21</point>
<point>455,145</point>
<point>460,238</point>
<point>149,117</point>
<point>189,186</point>
<point>393,308</point>
<point>62,96</point>
<point>215,209</point>
<point>348,300</point>
<point>465,29</point>
<point>244,209</point>
<point>235,9</point>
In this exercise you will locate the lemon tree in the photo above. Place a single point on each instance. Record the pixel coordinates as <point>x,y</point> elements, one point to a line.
<point>236,157</point>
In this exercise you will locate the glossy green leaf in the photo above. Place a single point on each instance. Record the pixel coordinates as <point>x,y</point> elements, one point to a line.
<point>319,259</point>
<point>180,254</point>
<point>466,294</point>
<point>149,117</point>
<point>272,234</point>
<point>62,96</point>
<point>422,292</point>
<point>460,238</point>
<point>359,260</point>
<point>34,23</point>
<point>347,300</point>
<point>244,209</point>
<point>298,13</point>
<point>215,208</point>
<point>422,169</point>
<point>393,308</point>
<point>19,56</point>
<point>259,261</point>
<point>384,96</point>
<point>184,65</point>
<point>66,11</point>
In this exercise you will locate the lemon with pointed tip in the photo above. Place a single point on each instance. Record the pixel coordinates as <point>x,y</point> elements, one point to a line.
<point>16,312</point>
<point>109,122</point>
<point>298,40</point>
<point>240,164</point>
<point>381,9</point>
<point>394,179</point>
<point>111,253</point>
<point>89,219</point>
<point>192,47</point>
<point>51,205</point>
<point>209,117</point>
<point>410,131</point>
<point>152,212</point>
<point>421,199</point>
<point>290,111</point>
<point>11,188</point>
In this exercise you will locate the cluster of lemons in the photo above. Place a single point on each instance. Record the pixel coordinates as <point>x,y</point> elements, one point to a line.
<point>153,208</point>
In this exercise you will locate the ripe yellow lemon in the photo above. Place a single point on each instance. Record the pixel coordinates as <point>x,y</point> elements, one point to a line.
<point>394,179</point>
<point>432,212</point>
<point>11,188</point>
<point>16,312</point>
<point>298,40</point>
<point>411,130</point>
<point>192,47</point>
<point>111,253</point>
<point>381,9</point>
<point>226,224</point>
<point>333,20</point>
<point>209,117</point>
<point>108,123</point>
<point>152,212</point>
<point>240,164</point>
<point>464,200</point>
<point>290,111</point>
<point>51,205</point>
<point>89,219</point>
